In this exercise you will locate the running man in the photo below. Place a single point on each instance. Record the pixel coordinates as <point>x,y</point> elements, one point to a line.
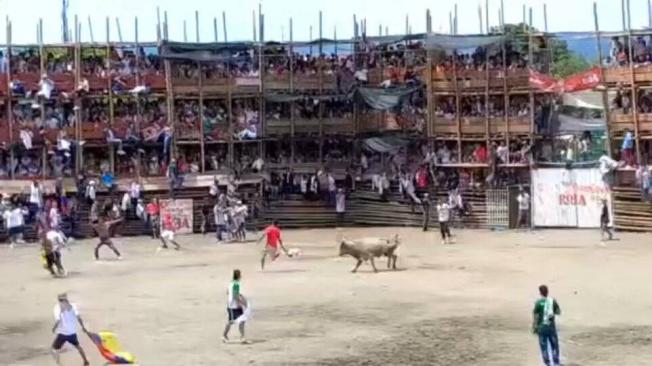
<point>103,230</point>
<point>66,318</point>
<point>236,304</point>
<point>167,233</point>
<point>605,220</point>
<point>543,325</point>
<point>52,242</point>
<point>273,234</point>
<point>444,216</point>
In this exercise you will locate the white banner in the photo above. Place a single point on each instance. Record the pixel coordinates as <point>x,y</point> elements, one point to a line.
<point>568,197</point>
<point>181,211</point>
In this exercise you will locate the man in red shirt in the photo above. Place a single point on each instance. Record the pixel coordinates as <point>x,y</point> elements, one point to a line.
<point>153,210</point>
<point>273,235</point>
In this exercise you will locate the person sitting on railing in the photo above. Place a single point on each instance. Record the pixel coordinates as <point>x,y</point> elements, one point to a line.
<point>443,154</point>
<point>627,154</point>
<point>641,51</point>
<point>113,140</point>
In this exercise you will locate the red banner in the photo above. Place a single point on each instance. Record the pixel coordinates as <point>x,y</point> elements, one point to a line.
<point>586,80</point>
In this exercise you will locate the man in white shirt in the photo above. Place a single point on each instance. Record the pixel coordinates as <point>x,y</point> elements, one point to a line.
<point>134,193</point>
<point>444,216</point>
<point>15,223</point>
<point>607,166</point>
<point>340,205</point>
<point>35,196</point>
<point>331,189</point>
<point>523,199</point>
<point>66,318</point>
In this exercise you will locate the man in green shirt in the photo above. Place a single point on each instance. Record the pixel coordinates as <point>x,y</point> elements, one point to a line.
<point>543,324</point>
<point>236,305</point>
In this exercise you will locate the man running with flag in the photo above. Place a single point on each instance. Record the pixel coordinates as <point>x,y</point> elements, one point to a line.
<point>273,235</point>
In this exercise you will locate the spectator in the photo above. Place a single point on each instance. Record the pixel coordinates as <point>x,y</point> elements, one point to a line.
<point>134,193</point>
<point>91,191</point>
<point>523,200</point>
<point>425,208</point>
<point>543,325</point>
<point>340,205</point>
<point>607,166</point>
<point>108,181</point>
<point>113,140</point>
<point>627,150</point>
<point>153,215</point>
<point>15,223</point>
<point>35,199</point>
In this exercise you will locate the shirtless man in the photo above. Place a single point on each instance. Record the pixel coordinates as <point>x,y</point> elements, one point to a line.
<point>103,228</point>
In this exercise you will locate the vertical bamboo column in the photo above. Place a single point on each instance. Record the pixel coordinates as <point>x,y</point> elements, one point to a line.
<point>429,99</point>
<point>262,115</point>
<point>531,65</point>
<point>632,80</point>
<point>77,110</point>
<point>320,65</point>
<point>169,93</point>
<point>458,116</point>
<point>487,76</point>
<point>605,97</point>
<point>110,91</point>
<point>202,147</point>
<point>292,116</point>
<point>505,91</point>
<point>356,117</point>
<point>39,37</point>
<point>10,117</point>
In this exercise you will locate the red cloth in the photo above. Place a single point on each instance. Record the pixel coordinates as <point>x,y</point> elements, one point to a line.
<point>481,154</point>
<point>273,236</point>
<point>152,209</point>
<point>422,178</point>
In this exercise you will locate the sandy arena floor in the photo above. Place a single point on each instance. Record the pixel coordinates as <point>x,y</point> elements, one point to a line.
<point>466,304</point>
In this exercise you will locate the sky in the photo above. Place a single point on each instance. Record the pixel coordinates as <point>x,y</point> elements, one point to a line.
<point>563,15</point>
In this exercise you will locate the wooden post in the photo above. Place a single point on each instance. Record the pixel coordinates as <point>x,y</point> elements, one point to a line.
<point>387,30</point>
<point>649,13</point>
<point>458,117</point>
<point>622,13</point>
<point>215,30</point>
<point>450,23</point>
<point>224,26</point>
<point>455,21</point>
<point>292,116</point>
<point>90,29</point>
<point>545,17</point>
<point>531,65</point>
<point>486,18</point>
<point>196,26</point>
<point>356,123</point>
<point>310,39</point>
<point>158,24</point>
<point>261,22</point>
<point>428,21</point>
<point>505,89</point>
<point>43,71</point>
<point>139,107</point>
<point>605,97</point>
<point>261,91</point>
<point>629,17</point>
<point>480,18</point>
<point>8,109</point>
<point>632,80</point>
<point>185,32</point>
<point>321,89</point>
<point>165,25</point>
<point>502,14</point>
<point>429,99</point>
<point>117,24</point>
<point>202,144</point>
<point>110,91</point>
<point>407,24</point>
<point>524,22</point>
<point>253,22</point>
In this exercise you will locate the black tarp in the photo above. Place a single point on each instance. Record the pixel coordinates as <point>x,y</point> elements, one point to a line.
<point>384,99</point>
<point>203,52</point>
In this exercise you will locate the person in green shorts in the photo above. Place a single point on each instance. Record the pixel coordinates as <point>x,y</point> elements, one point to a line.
<point>543,325</point>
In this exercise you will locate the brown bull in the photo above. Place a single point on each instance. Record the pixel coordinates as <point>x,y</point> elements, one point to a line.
<point>367,249</point>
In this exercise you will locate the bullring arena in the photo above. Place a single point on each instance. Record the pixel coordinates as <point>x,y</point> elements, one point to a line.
<point>468,303</point>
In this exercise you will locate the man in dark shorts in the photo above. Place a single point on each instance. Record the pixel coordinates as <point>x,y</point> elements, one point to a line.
<point>66,318</point>
<point>102,228</point>
<point>235,307</point>
<point>52,242</point>
<point>273,235</point>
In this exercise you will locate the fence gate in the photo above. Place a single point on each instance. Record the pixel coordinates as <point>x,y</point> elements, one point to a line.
<point>497,208</point>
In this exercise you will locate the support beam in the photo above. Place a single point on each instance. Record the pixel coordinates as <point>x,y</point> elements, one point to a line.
<point>196,26</point>
<point>226,39</point>
<point>90,29</point>
<point>605,97</point>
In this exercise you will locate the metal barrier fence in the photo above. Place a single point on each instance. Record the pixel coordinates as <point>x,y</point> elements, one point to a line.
<point>497,202</point>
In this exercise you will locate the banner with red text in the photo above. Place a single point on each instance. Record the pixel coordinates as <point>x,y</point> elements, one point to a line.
<point>568,197</point>
<point>181,211</point>
<point>586,80</point>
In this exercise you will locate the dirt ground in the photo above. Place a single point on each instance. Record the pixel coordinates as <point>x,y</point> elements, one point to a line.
<point>465,304</point>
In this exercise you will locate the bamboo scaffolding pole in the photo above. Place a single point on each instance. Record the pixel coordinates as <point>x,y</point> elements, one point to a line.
<point>604,94</point>
<point>196,26</point>
<point>632,80</point>
<point>8,109</point>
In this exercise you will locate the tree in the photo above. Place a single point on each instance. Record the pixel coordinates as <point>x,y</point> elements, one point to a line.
<point>564,63</point>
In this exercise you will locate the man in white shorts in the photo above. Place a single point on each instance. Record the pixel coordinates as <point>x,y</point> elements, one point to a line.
<point>66,318</point>
<point>167,232</point>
